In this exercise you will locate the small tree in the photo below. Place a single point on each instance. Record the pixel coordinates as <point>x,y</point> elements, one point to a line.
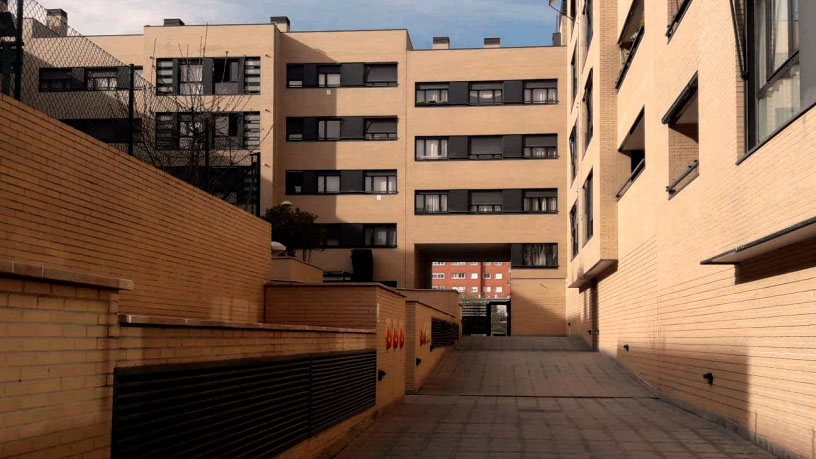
<point>296,229</point>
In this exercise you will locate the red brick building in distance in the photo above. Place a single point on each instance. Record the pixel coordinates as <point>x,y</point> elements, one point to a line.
<point>489,279</point>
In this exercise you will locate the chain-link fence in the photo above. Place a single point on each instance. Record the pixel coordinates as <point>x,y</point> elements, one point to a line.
<point>50,66</point>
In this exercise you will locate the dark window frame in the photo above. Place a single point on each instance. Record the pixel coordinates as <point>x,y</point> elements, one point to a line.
<point>66,78</point>
<point>574,230</point>
<point>372,174</point>
<point>422,210</point>
<point>497,93</point>
<point>551,246</point>
<point>528,89</point>
<point>424,90</point>
<point>573,147</point>
<point>551,151</point>
<point>424,141</point>
<point>380,84</point>
<point>589,128</point>
<point>589,217</point>
<point>373,136</point>
<point>678,16</point>
<point>390,228</point>
<point>588,24</point>
<point>482,156</point>
<point>325,120</point>
<point>95,82</point>
<point>322,176</point>
<point>329,69</point>
<point>495,208</point>
<point>545,203</point>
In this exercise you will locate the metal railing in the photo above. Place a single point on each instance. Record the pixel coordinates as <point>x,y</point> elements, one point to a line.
<point>629,57</point>
<point>680,182</point>
<point>635,173</point>
<point>48,65</point>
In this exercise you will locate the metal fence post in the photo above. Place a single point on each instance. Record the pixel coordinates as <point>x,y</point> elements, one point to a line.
<point>131,121</point>
<point>18,74</point>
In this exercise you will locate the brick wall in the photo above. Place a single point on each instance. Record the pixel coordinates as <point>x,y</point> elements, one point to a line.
<point>69,201</point>
<point>390,310</point>
<point>418,318</point>
<point>327,305</point>
<point>446,301</point>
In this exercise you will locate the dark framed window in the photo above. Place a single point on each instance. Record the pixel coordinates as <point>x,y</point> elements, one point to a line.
<point>588,19</point>
<point>328,182</point>
<point>294,129</point>
<point>380,236</point>
<point>432,93</point>
<point>431,202</point>
<point>431,148</point>
<point>574,74</point>
<point>328,129</point>
<point>54,80</point>
<point>191,77</point>
<point>333,234</point>
<point>165,77</point>
<point>294,75</point>
<point>573,150</point>
<point>588,112</point>
<point>226,130</point>
<point>540,146</point>
<point>485,202</point>
<point>630,37</point>
<point>540,255</point>
<point>328,76</point>
<point>573,215</point>
<point>774,66</point>
<point>573,11</point>
<point>588,216</point>
<point>101,79</point>
<point>381,74</point>
<point>380,182</point>
<point>486,93</point>
<point>190,130</point>
<point>541,92</point>
<point>227,76</point>
<point>677,9</point>
<point>380,129</point>
<point>540,201</point>
<point>485,147</point>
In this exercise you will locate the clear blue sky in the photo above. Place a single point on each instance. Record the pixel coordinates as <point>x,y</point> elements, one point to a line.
<point>466,22</point>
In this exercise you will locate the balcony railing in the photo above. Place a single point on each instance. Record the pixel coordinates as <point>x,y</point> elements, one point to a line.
<point>635,173</point>
<point>690,173</point>
<point>625,69</point>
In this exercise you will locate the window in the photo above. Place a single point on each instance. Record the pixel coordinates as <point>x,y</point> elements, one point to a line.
<point>138,77</point>
<point>381,129</point>
<point>438,287</point>
<point>573,148</point>
<point>226,130</point>
<point>541,255</point>
<point>487,263</point>
<point>438,275</point>
<point>474,275</point>
<point>458,263</point>
<point>486,276</point>
<point>588,22</point>
<point>486,93</point>
<point>328,183</point>
<point>540,201</point>
<point>190,130</point>
<point>328,76</point>
<point>431,203</point>
<point>486,289</point>
<point>226,70</point>
<point>252,129</point>
<point>485,147</point>
<point>101,79</point>
<point>474,263</point>
<point>457,275</point>
<point>328,130</point>
<point>633,146</point>
<point>574,74</point>
<point>294,76</point>
<point>774,67</point>
<point>294,129</point>
<point>380,235</point>
<point>191,77</point>
<point>497,263</point>
<point>459,289</point>
<point>381,74</point>
<point>252,75</point>
<point>574,229</point>
<point>438,263</point>
<point>431,148</point>
<point>684,138</point>
<point>381,182</point>
<point>541,92</point>
<point>588,112</point>
<point>485,202</point>
<point>474,289</point>
<point>541,146</point>
<point>499,276</point>
<point>52,80</point>
<point>432,93</point>
<point>499,290</point>
<point>164,77</point>
<point>677,9</point>
<point>630,38</point>
<point>588,220</point>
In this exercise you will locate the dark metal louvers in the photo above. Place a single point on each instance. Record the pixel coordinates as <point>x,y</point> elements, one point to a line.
<point>443,333</point>
<point>237,408</point>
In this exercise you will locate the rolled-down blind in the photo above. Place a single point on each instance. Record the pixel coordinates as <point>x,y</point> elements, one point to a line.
<point>247,407</point>
<point>485,145</point>
<point>548,140</point>
<point>381,126</point>
<point>485,197</point>
<point>381,73</point>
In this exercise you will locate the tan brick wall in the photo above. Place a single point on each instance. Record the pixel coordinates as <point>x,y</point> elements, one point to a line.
<point>537,306</point>
<point>69,201</point>
<point>418,318</point>
<point>60,343</point>
<point>327,305</point>
<point>750,326</point>
<point>390,309</point>
<point>293,269</point>
<point>445,300</point>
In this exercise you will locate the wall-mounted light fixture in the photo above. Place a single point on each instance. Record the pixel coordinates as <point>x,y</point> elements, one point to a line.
<point>626,346</point>
<point>710,378</point>
<point>418,361</point>
<point>380,375</point>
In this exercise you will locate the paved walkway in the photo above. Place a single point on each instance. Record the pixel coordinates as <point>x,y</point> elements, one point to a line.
<point>515,397</point>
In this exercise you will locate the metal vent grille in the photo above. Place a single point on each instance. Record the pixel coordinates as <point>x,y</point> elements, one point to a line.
<point>443,333</point>
<point>237,408</point>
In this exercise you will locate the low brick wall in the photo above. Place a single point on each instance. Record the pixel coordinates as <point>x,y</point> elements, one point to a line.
<point>446,301</point>
<point>292,269</point>
<point>60,342</point>
<point>418,317</point>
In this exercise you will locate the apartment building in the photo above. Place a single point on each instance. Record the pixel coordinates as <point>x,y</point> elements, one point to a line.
<point>474,279</point>
<point>420,155</point>
<point>690,203</point>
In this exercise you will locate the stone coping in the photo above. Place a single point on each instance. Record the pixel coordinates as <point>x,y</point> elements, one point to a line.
<point>135,320</point>
<point>334,284</point>
<point>431,307</point>
<point>295,259</point>
<point>44,273</point>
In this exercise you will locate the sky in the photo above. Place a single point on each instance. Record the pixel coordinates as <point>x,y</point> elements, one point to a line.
<point>466,22</point>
